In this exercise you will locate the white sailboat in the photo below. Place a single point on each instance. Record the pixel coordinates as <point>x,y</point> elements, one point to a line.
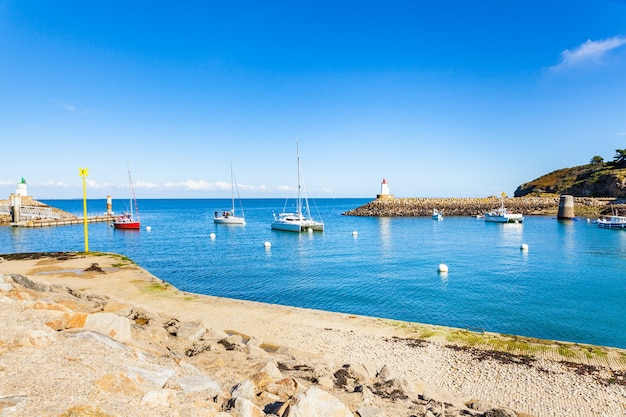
<point>298,221</point>
<point>228,216</point>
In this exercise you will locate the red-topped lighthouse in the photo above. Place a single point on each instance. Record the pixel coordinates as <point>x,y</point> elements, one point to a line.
<point>384,190</point>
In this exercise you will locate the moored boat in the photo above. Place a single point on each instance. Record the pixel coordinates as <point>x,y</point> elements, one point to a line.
<point>612,222</point>
<point>228,216</point>
<point>298,221</point>
<point>126,221</point>
<point>502,215</point>
<point>437,215</point>
<point>129,220</point>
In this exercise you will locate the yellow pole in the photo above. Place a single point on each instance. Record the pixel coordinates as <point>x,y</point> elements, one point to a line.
<point>83,173</point>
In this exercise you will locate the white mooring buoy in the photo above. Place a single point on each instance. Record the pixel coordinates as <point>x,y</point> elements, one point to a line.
<point>148,228</point>
<point>267,244</point>
<point>443,268</point>
<point>212,236</point>
<point>354,233</point>
<point>524,247</point>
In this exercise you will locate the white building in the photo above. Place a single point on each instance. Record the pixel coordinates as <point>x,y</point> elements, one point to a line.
<point>384,190</point>
<point>21,188</point>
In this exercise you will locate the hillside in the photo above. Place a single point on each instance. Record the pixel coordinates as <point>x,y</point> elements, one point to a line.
<point>591,180</point>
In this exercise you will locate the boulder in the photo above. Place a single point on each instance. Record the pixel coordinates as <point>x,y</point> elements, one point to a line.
<point>246,408</point>
<point>316,403</point>
<point>244,389</point>
<point>28,283</point>
<point>158,398</point>
<point>370,411</point>
<point>191,330</point>
<point>109,324</point>
<point>200,383</point>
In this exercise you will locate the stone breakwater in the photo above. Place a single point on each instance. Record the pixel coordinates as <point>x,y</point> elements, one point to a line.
<point>416,207</point>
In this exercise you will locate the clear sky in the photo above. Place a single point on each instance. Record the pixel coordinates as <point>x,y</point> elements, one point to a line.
<point>441,98</point>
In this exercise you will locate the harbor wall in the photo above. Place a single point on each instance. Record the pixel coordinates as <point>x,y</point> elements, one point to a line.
<point>416,207</point>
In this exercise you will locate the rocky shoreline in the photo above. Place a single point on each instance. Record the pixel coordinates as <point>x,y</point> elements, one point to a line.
<point>95,335</point>
<point>416,207</point>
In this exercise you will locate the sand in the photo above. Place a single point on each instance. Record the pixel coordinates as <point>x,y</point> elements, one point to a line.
<point>533,377</point>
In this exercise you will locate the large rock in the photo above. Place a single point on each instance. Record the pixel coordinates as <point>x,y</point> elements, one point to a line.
<point>109,324</point>
<point>28,283</point>
<point>316,403</point>
<point>247,408</point>
<point>191,330</point>
<point>200,383</point>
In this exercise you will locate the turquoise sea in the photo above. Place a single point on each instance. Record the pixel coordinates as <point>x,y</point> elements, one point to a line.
<point>570,285</point>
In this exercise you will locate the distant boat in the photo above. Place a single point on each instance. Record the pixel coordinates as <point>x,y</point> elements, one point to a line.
<point>127,220</point>
<point>437,215</point>
<point>298,221</point>
<point>613,222</point>
<point>229,217</point>
<point>502,215</point>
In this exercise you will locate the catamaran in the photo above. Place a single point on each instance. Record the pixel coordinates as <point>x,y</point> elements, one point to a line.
<point>298,221</point>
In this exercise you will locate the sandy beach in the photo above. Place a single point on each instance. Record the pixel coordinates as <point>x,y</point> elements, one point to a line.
<point>468,371</point>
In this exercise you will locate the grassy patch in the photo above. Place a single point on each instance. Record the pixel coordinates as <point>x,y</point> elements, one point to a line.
<point>425,334</point>
<point>466,338</point>
<point>156,287</point>
<point>566,352</point>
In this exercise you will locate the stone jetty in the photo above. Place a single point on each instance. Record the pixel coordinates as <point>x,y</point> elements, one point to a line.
<point>416,207</point>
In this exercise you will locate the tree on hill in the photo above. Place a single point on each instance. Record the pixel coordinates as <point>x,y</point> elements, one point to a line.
<point>620,156</point>
<point>596,160</point>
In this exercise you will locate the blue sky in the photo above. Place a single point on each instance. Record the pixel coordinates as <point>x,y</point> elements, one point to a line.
<point>443,99</point>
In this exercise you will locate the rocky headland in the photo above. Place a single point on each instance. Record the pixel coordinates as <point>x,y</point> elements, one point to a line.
<point>96,335</point>
<point>415,207</point>
<point>596,179</point>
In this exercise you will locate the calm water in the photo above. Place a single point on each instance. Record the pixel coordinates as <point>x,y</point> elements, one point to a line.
<point>570,284</point>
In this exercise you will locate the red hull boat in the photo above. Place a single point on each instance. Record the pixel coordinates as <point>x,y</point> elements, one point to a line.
<point>127,221</point>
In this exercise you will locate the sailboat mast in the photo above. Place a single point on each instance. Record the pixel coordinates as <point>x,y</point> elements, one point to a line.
<point>132,198</point>
<point>299,202</point>
<point>232,187</point>
<point>130,195</point>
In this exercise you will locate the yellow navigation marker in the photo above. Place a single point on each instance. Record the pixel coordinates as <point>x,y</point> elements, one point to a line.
<point>83,172</point>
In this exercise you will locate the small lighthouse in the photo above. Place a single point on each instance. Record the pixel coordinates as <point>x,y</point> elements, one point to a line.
<point>21,188</point>
<point>384,191</point>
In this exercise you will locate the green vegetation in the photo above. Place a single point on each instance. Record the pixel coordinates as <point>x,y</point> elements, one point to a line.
<point>124,260</point>
<point>596,179</point>
<point>596,160</point>
<point>620,156</point>
<point>156,287</point>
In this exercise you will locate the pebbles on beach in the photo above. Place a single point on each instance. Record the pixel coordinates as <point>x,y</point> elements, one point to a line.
<point>141,348</point>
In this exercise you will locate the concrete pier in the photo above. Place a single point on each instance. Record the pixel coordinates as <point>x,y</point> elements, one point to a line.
<point>24,211</point>
<point>62,222</point>
<point>566,207</point>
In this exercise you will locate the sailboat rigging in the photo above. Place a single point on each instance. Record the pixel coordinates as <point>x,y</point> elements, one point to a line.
<point>129,220</point>
<point>298,221</point>
<point>228,216</point>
